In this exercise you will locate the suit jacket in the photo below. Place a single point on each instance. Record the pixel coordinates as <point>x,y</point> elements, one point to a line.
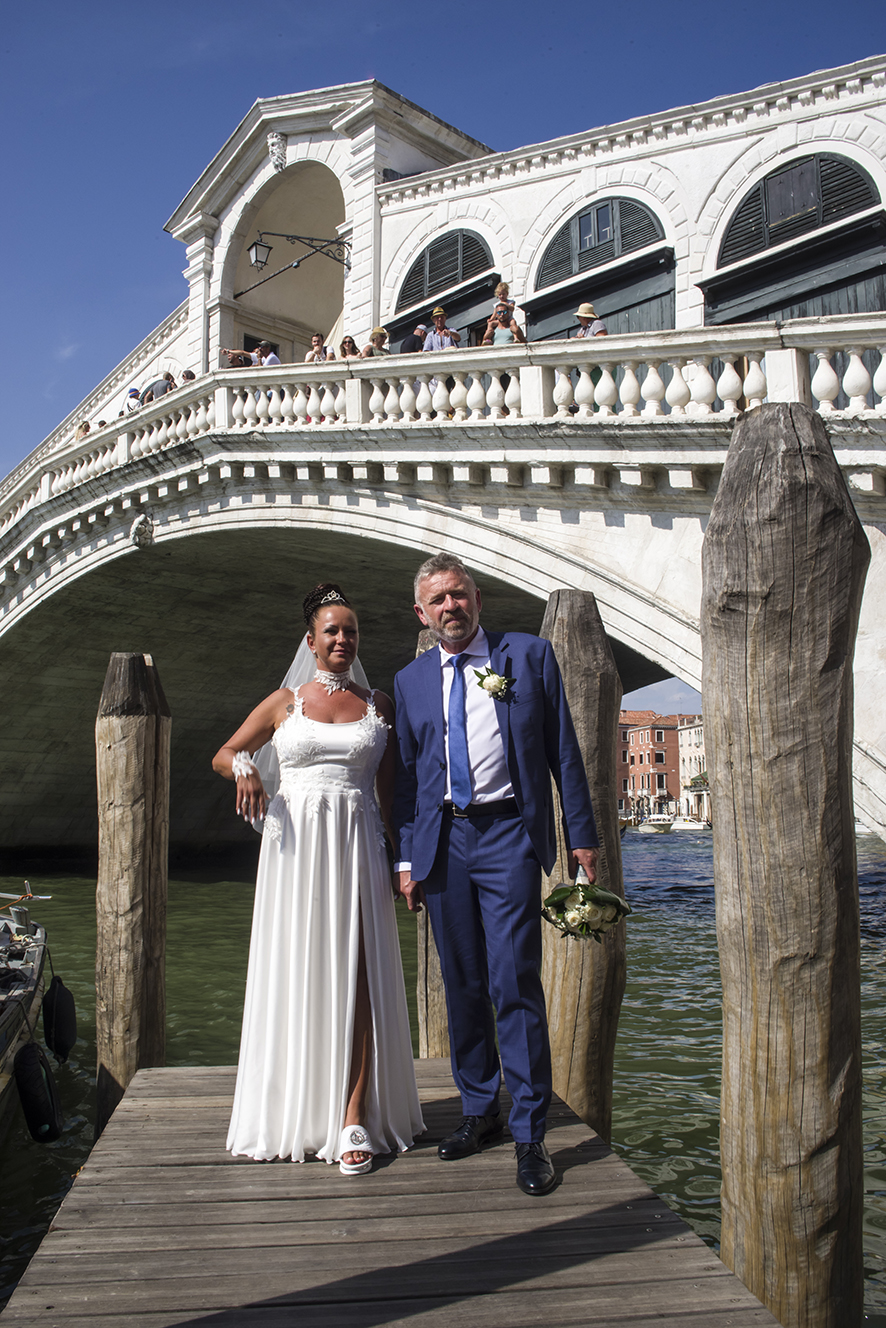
<point>538,736</point>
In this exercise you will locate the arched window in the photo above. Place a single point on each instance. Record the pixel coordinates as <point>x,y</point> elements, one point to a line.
<point>455,257</point>
<point>605,230</point>
<point>797,198</point>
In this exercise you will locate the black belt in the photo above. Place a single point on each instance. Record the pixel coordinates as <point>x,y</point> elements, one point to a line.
<point>504,807</point>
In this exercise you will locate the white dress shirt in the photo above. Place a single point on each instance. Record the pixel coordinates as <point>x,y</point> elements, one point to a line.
<point>490,779</point>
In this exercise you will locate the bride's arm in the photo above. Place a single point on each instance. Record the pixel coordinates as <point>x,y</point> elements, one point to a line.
<point>254,732</point>
<point>384,780</point>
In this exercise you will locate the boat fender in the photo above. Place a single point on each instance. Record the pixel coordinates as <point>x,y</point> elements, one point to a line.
<point>59,1019</point>
<point>38,1093</point>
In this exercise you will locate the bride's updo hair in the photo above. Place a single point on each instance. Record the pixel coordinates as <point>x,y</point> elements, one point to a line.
<point>319,598</point>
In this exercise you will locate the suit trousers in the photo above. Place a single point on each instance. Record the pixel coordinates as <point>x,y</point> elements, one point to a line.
<point>484,901</point>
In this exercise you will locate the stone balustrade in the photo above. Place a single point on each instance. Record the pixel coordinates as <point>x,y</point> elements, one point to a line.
<point>662,379</point>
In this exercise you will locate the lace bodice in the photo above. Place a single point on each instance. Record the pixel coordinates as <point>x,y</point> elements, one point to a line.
<point>323,762</point>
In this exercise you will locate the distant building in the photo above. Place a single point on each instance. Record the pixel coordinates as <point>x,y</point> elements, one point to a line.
<point>649,755</point>
<point>695,792</point>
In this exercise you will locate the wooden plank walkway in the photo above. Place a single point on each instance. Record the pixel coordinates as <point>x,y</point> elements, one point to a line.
<point>163,1228</point>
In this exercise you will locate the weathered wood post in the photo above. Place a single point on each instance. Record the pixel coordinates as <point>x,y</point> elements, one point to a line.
<point>132,771</point>
<point>433,1025</point>
<point>584,982</point>
<point>784,562</point>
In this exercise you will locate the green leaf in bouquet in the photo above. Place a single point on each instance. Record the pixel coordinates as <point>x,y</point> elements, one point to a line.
<point>601,896</point>
<point>557,896</point>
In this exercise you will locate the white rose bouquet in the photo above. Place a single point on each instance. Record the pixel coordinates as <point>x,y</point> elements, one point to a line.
<point>583,910</point>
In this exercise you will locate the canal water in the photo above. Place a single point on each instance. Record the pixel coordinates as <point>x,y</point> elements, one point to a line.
<point>667,1062</point>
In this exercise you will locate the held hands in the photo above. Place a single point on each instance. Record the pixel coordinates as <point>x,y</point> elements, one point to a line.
<point>584,857</point>
<point>411,891</point>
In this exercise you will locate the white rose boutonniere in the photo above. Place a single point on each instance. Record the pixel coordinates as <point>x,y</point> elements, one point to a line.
<point>493,683</point>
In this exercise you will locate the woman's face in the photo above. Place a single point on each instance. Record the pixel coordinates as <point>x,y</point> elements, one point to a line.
<point>335,638</point>
<point>350,345</point>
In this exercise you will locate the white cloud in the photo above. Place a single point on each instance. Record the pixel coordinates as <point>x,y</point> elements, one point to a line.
<point>66,352</point>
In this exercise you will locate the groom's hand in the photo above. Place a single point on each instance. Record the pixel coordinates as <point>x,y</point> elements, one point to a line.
<point>583,857</point>
<point>411,891</point>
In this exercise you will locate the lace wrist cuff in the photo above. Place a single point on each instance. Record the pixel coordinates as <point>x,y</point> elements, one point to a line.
<point>243,764</point>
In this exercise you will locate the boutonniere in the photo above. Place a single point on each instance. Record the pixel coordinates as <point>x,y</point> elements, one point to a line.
<point>493,683</point>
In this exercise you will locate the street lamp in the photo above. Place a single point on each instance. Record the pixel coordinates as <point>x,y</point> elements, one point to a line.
<point>259,253</point>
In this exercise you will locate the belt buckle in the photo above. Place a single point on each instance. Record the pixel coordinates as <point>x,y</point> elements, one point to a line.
<point>458,812</point>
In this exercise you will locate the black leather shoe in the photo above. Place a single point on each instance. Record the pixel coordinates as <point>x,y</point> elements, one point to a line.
<point>471,1135</point>
<point>535,1170</point>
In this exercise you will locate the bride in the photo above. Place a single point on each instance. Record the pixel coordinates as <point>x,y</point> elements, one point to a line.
<point>325,1054</point>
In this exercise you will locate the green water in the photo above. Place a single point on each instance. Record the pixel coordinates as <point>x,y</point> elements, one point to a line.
<point>665,1119</point>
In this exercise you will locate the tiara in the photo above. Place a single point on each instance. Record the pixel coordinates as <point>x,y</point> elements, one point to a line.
<point>333,597</point>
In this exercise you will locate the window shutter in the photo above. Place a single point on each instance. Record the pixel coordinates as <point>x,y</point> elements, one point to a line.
<point>557,262</point>
<point>639,226</point>
<point>413,287</point>
<point>746,233</point>
<point>456,256</point>
<point>475,257</point>
<point>844,190</point>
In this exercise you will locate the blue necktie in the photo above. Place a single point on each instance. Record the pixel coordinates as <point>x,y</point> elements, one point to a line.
<point>459,765</point>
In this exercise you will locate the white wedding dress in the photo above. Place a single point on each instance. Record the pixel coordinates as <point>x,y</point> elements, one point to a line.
<point>322,863</point>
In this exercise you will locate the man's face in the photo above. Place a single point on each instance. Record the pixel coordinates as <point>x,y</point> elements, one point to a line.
<point>439,322</point>
<point>449,604</point>
<point>316,342</point>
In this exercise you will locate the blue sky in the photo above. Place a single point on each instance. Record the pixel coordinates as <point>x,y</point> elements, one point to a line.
<point>111,111</point>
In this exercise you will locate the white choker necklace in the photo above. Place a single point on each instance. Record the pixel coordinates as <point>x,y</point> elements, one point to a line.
<point>333,682</point>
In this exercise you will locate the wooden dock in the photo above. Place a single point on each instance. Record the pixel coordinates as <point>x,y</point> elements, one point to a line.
<point>162,1227</point>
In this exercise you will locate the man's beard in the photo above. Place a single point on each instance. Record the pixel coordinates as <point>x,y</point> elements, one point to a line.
<point>456,629</point>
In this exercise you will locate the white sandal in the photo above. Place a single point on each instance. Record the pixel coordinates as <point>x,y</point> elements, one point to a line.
<point>354,1139</point>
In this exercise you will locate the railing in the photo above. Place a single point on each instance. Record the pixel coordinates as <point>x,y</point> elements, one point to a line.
<point>659,378</point>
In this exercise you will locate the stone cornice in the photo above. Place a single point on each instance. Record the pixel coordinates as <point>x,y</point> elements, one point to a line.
<point>857,84</point>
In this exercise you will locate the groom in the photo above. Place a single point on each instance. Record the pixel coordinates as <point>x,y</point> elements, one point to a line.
<point>474,812</point>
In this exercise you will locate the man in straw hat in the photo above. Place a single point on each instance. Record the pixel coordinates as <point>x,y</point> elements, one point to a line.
<point>591,325</point>
<point>442,337</point>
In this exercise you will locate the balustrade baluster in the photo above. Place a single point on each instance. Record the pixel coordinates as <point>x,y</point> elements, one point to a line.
<point>300,405</point>
<point>341,401</point>
<point>327,403</point>
<point>678,394</point>
<point>392,401</point>
<point>210,412</point>
<point>238,408</point>
<point>563,395</point>
<point>287,405</point>
<point>192,420</point>
<point>407,400</point>
<point>441,398</point>
<point>880,380</point>
<point>181,428</point>
<point>424,402</point>
<point>729,388</point>
<point>495,395</point>
<point>255,399</point>
<point>314,407</point>
<point>652,390</point>
<point>513,399</point>
<point>584,393</point>
<point>377,401</point>
<point>606,392</point>
<point>472,399</point>
<point>629,393</point>
<point>201,418</point>
<point>856,382</point>
<point>158,438</point>
<point>703,388</point>
<point>755,380</point>
<point>275,407</point>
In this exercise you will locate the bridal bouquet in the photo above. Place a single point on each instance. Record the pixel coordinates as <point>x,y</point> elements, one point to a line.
<point>584,910</point>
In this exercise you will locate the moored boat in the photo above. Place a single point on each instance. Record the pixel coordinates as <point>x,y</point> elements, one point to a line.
<point>22,957</point>
<point>690,823</point>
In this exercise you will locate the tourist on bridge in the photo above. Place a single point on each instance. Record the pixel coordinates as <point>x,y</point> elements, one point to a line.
<point>319,353</point>
<point>157,389</point>
<point>325,1057</point>
<point>349,350</point>
<point>503,329</point>
<point>415,341</point>
<point>589,324</point>
<point>377,338</point>
<point>482,724</point>
<point>441,337</point>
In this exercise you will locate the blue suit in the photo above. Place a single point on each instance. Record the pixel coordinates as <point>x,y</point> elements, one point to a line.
<point>482,876</point>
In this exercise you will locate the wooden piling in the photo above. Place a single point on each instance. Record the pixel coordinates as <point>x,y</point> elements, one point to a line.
<point>584,982</point>
<point>433,1024</point>
<point>784,561</point>
<point>132,734</point>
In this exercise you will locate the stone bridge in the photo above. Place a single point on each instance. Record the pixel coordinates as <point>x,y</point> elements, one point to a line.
<point>192,528</point>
